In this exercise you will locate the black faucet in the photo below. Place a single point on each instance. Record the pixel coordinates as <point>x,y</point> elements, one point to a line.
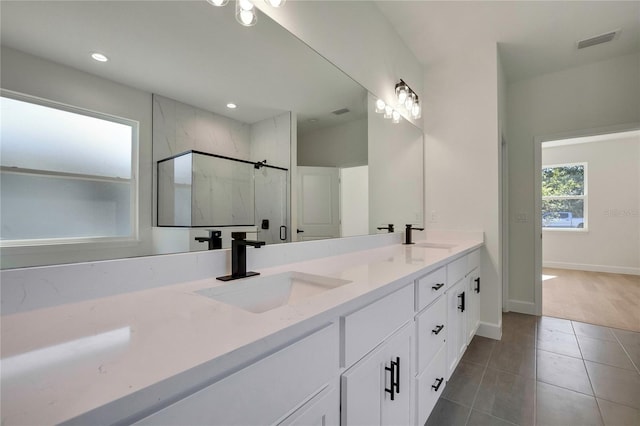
<point>390,227</point>
<point>214,240</point>
<point>407,235</point>
<point>239,257</point>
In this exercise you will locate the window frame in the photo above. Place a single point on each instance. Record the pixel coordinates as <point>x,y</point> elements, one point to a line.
<point>583,197</point>
<point>86,242</point>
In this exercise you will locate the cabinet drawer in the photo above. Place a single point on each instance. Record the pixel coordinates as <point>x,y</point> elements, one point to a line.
<point>431,332</point>
<point>456,270</point>
<point>322,410</point>
<point>263,392</point>
<point>368,327</point>
<point>429,386</point>
<point>473,260</point>
<point>430,287</point>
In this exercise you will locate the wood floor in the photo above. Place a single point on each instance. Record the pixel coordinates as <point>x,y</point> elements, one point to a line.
<point>611,300</point>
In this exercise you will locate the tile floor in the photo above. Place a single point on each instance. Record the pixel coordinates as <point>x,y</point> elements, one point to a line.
<point>545,371</point>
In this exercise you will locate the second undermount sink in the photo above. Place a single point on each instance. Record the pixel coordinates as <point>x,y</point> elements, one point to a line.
<point>445,246</point>
<point>264,293</point>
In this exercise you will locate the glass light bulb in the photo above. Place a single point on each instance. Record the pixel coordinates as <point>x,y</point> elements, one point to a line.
<point>275,3</point>
<point>380,105</point>
<point>408,103</point>
<point>218,3</point>
<point>246,13</point>
<point>416,111</point>
<point>396,117</point>
<point>388,111</point>
<point>245,4</point>
<point>402,95</point>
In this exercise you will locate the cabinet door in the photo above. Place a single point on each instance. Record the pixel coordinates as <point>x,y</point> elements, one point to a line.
<point>368,386</point>
<point>322,410</point>
<point>457,302</point>
<point>473,315</point>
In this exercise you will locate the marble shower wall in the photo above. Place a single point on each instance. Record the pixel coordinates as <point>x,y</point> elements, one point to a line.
<point>271,140</point>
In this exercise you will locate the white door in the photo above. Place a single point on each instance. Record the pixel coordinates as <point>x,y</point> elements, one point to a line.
<point>457,302</point>
<point>318,203</point>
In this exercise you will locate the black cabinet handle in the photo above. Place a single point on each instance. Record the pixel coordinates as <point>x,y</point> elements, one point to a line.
<point>437,384</point>
<point>438,329</point>
<point>461,305</point>
<point>394,369</point>
<point>438,286</point>
<point>397,384</point>
<point>283,235</point>
<point>299,231</point>
<point>477,289</point>
<point>392,389</point>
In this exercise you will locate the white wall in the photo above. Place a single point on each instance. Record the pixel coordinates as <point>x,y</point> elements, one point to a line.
<point>357,38</point>
<point>37,77</point>
<point>597,95</point>
<point>462,170</point>
<point>396,157</point>
<point>612,241</point>
<point>354,201</point>
<point>338,146</point>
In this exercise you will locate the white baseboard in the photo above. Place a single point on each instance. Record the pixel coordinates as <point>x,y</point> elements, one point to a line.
<point>490,330</point>
<point>522,307</point>
<point>593,268</point>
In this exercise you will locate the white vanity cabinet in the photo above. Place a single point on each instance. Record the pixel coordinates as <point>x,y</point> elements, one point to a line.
<point>322,410</point>
<point>267,391</point>
<point>377,390</point>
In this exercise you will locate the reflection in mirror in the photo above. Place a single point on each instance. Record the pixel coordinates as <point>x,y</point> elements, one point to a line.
<point>197,59</point>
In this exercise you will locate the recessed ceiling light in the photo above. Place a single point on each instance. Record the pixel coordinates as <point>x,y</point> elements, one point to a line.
<point>231,105</point>
<point>99,57</point>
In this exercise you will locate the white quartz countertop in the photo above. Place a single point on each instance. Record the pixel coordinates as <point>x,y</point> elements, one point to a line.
<point>63,361</point>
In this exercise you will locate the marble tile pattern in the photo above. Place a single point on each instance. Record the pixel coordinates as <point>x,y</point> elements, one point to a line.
<point>179,127</point>
<point>271,140</point>
<point>548,372</point>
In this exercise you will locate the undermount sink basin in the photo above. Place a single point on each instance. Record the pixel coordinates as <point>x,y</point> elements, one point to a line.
<point>445,246</point>
<point>261,294</point>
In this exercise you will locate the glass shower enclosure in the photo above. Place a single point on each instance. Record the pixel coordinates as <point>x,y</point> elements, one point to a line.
<point>197,189</point>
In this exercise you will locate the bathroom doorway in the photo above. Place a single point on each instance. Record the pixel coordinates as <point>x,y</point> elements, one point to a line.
<point>588,203</point>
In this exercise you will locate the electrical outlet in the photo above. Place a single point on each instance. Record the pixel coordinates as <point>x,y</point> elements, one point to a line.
<point>522,217</point>
<point>433,218</point>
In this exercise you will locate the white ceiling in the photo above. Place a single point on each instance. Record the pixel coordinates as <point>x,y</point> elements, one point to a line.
<point>189,51</point>
<point>535,37</point>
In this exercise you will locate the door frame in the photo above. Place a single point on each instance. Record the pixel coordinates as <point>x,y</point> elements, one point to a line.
<point>537,191</point>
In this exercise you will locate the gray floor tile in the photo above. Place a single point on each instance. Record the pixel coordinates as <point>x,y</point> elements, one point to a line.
<point>555,324</point>
<point>604,352</point>
<point>482,419</point>
<point>631,343</point>
<point>563,371</point>
<point>615,384</point>
<point>464,383</point>
<point>595,331</point>
<point>506,396</point>
<point>514,357</point>
<point>558,342</point>
<point>618,415</point>
<point>562,407</point>
<point>479,350</point>
<point>447,413</point>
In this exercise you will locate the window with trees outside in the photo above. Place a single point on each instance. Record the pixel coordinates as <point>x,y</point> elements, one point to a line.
<point>564,196</point>
<point>68,175</point>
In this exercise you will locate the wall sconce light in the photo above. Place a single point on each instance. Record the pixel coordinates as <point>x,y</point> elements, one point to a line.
<point>408,99</point>
<point>245,10</point>
<point>382,108</point>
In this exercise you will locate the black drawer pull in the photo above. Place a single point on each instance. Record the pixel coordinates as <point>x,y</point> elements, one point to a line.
<point>392,389</point>
<point>438,286</point>
<point>461,305</point>
<point>438,383</point>
<point>438,329</point>
<point>477,289</point>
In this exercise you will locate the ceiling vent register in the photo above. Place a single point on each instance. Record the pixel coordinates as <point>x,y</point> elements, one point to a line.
<point>599,39</point>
